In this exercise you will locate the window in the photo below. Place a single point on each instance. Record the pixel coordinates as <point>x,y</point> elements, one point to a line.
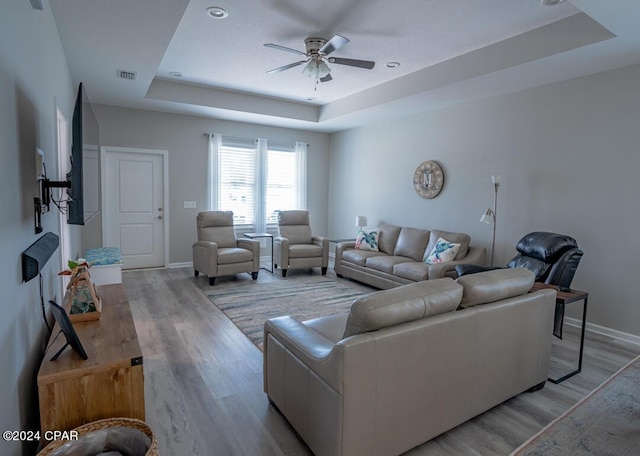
<point>255,179</point>
<point>236,183</point>
<point>281,184</point>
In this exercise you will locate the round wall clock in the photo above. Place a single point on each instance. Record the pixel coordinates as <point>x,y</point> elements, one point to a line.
<point>428,179</point>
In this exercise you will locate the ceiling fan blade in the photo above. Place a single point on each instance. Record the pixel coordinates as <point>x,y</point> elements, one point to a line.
<point>286,67</point>
<point>284,48</point>
<point>327,78</point>
<point>333,44</point>
<point>368,64</point>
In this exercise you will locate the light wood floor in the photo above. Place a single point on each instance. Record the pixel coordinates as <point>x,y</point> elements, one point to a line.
<point>203,379</point>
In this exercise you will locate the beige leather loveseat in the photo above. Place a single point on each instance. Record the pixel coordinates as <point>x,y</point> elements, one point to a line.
<point>404,365</point>
<point>401,255</point>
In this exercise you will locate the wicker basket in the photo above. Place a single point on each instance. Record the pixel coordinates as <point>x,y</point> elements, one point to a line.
<point>106,423</point>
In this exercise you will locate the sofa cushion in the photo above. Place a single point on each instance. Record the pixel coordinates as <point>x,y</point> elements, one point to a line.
<point>217,226</point>
<point>367,240</point>
<point>234,255</point>
<point>387,237</point>
<point>411,243</point>
<point>385,263</point>
<point>304,251</point>
<point>495,285</point>
<point>359,257</point>
<point>442,252</point>
<point>412,271</point>
<point>402,304</point>
<point>459,238</point>
<point>538,267</point>
<point>545,246</point>
<point>296,234</point>
<point>294,225</point>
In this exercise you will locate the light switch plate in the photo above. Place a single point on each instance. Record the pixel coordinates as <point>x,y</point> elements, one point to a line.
<point>189,204</point>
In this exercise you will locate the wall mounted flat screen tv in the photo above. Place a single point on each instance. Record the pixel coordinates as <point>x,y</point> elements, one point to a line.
<point>84,136</point>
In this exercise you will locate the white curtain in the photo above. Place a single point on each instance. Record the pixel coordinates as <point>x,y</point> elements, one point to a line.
<point>215,142</point>
<point>260,225</point>
<point>301,157</point>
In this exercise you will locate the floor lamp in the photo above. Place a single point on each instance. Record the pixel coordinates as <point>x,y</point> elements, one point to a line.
<point>489,216</point>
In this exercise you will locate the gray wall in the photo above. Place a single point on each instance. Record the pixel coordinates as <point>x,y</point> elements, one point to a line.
<point>569,157</point>
<point>33,77</point>
<point>183,137</point>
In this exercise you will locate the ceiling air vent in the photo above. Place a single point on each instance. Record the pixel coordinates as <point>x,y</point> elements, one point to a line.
<point>130,75</point>
<point>37,5</point>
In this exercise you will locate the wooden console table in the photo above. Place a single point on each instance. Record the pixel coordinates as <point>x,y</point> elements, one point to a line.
<point>110,383</point>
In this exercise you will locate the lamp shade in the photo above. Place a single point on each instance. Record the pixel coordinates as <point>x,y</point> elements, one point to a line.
<point>361,220</point>
<point>487,217</point>
<point>316,69</point>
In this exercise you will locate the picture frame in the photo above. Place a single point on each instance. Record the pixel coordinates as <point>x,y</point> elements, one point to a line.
<point>69,332</point>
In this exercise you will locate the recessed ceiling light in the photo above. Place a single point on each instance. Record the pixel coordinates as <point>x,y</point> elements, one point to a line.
<point>216,12</point>
<point>311,98</point>
<point>551,2</point>
<point>393,64</point>
<point>177,74</point>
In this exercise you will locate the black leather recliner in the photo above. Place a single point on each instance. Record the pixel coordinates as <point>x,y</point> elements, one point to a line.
<point>553,258</point>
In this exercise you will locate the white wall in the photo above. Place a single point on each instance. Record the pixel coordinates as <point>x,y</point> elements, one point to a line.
<point>569,155</point>
<point>183,136</point>
<point>33,77</point>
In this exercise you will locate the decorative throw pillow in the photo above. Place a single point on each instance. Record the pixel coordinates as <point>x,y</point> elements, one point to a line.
<point>367,240</point>
<point>443,251</point>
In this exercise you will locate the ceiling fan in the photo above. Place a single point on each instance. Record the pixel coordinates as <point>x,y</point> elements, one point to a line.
<point>317,51</point>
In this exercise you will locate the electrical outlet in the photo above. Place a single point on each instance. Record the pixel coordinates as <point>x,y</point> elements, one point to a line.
<point>189,205</point>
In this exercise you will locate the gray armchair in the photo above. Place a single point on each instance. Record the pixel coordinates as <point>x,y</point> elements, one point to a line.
<point>217,252</point>
<point>296,247</point>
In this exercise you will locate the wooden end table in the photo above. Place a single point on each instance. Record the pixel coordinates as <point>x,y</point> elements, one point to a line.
<point>563,298</point>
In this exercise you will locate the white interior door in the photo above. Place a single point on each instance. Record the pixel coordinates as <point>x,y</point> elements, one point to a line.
<point>134,201</point>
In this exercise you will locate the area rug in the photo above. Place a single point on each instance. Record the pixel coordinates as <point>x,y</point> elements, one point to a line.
<point>248,307</point>
<point>605,422</point>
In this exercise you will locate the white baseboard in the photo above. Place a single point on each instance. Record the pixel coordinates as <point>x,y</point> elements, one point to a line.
<point>603,330</point>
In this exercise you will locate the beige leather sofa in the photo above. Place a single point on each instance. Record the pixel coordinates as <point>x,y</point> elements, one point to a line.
<point>404,365</point>
<point>401,255</point>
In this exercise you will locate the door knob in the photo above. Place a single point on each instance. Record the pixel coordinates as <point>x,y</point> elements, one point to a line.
<point>160,217</point>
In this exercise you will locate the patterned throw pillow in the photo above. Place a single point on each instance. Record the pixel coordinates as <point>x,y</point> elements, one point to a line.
<point>367,240</point>
<point>443,251</point>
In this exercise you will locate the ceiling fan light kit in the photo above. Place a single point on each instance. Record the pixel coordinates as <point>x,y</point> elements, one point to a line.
<point>317,69</point>
<point>317,50</point>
